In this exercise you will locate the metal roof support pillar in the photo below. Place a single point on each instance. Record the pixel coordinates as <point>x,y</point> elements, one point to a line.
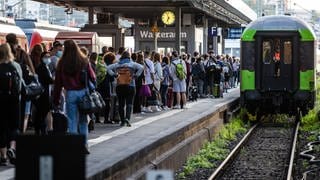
<point>205,34</point>
<point>90,15</point>
<point>119,37</point>
<point>178,29</point>
<point>215,39</point>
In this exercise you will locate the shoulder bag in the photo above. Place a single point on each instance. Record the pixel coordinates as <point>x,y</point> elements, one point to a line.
<point>92,101</point>
<point>33,90</point>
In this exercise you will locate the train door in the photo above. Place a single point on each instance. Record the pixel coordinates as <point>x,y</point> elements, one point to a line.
<point>276,63</point>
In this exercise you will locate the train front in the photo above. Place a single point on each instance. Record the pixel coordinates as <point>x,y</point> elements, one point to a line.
<point>278,65</point>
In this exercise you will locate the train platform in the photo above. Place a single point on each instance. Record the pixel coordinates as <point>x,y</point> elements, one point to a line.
<point>153,140</point>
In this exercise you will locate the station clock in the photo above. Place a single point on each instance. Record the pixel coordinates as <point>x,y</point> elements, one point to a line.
<point>168,17</point>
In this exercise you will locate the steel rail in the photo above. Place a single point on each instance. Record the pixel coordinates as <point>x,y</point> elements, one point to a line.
<point>294,144</point>
<point>232,153</point>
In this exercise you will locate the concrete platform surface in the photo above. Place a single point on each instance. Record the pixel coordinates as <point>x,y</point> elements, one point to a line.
<point>110,143</point>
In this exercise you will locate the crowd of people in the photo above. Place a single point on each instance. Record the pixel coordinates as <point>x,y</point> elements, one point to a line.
<point>139,82</point>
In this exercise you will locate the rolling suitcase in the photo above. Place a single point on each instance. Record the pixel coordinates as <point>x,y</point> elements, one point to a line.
<point>170,97</point>
<point>59,122</point>
<point>216,90</point>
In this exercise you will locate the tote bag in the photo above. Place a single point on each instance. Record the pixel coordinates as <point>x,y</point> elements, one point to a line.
<point>145,90</point>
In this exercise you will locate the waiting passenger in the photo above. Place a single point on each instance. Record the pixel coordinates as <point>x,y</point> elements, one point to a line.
<point>9,104</point>
<point>126,71</point>
<point>178,76</point>
<point>42,103</point>
<point>106,89</point>
<point>68,76</point>
<point>149,78</point>
<point>138,99</point>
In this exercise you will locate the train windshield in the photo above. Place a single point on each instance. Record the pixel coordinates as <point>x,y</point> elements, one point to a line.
<point>267,51</point>
<point>276,62</point>
<point>277,52</point>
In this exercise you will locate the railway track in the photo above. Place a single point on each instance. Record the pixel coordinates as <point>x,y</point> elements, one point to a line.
<point>266,152</point>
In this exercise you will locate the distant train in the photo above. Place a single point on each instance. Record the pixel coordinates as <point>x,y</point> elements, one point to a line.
<point>27,29</point>
<point>31,32</point>
<point>8,26</point>
<point>47,32</point>
<point>278,66</point>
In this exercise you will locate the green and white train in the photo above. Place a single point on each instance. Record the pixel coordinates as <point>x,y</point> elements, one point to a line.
<point>278,56</point>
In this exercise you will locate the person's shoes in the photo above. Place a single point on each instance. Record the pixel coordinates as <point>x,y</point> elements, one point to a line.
<point>11,153</point>
<point>3,161</point>
<point>203,96</point>
<point>108,122</point>
<point>128,123</point>
<point>165,108</point>
<point>91,125</point>
<point>176,107</point>
<point>156,109</point>
<point>143,109</point>
<point>148,110</point>
<point>86,150</point>
<point>123,123</point>
<point>185,106</point>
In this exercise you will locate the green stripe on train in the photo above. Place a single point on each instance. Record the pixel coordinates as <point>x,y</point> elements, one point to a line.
<point>248,35</point>
<point>306,35</point>
<point>247,80</point>
<point>307,80</point>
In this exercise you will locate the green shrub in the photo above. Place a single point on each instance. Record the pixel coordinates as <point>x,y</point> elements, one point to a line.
<point>217,150</point>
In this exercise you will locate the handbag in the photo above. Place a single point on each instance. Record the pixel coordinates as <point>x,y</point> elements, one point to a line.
<point>92,101</point>
<point>33,90</point>
<point>145,90</point>
<point>155,98</point>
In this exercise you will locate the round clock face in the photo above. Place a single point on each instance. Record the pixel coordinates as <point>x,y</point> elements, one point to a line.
<point>168,17</point>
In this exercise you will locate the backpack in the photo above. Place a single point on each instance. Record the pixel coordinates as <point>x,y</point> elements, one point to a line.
<point>166,74</point>
<point>197,72</point>
<point>180,70</point>
<point>210,67</point>
<point>101,71</point>
<point>124,76</point>
<point>9,79</point>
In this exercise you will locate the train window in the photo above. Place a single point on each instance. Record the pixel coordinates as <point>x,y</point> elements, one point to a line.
<point>287,52</point>
<point>267,53</point>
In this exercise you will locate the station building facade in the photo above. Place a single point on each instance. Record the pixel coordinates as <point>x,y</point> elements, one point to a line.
<point>191,39</point>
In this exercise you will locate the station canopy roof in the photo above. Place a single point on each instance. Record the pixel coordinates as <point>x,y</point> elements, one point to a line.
<point>217,9</point>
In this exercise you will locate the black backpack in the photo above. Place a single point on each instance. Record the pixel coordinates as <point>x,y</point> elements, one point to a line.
<point>210,67</point>
<point>9,79</point>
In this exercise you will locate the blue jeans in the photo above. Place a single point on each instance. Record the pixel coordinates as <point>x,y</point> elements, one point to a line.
<point>75,119</point>
<point>164,93</point>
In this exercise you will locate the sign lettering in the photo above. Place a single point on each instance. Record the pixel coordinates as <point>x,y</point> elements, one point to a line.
<point>235,33</point>
<point>212,31</point>
<point>145,34</point>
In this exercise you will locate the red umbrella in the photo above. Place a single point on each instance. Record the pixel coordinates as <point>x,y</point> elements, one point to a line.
<point>35,39</point>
